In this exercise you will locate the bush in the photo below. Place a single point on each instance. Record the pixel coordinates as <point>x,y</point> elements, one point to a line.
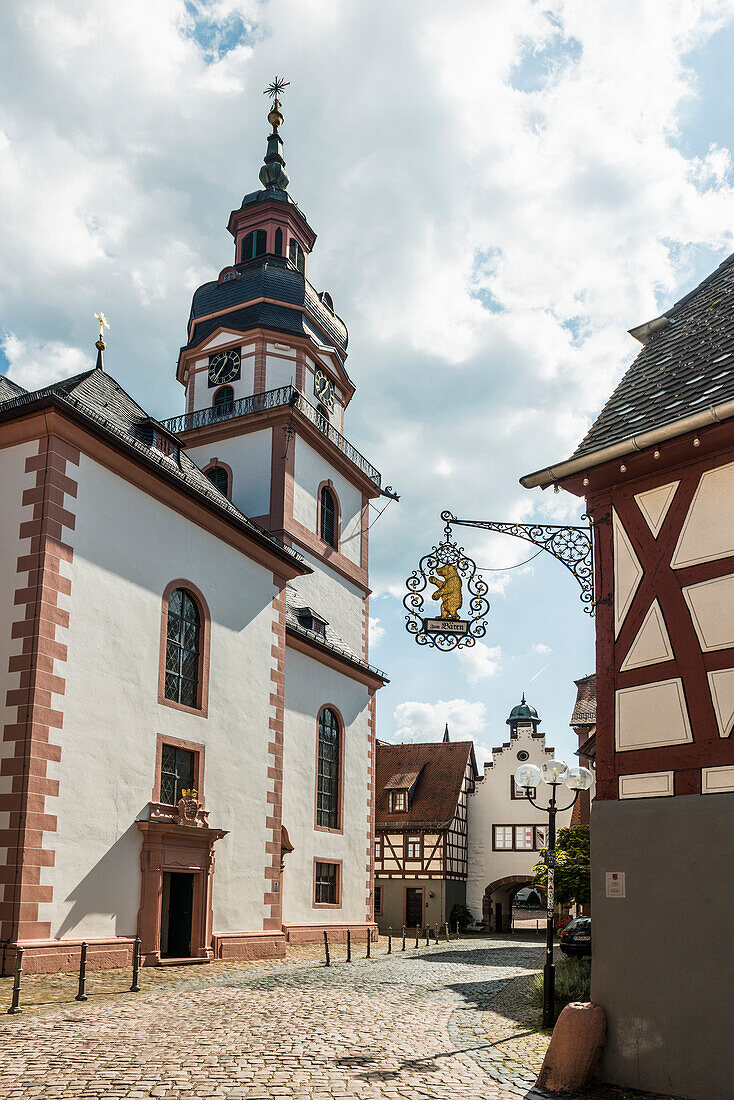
<point>573,981</point>
<point>462,915</point>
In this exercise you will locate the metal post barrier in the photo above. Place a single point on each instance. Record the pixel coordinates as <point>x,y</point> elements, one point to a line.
<point>403,937</point>
<point>417,934</point>
<point>135,987</point>
<point>389,941</point>
<point>428,936</point>
<point>446,930</point>
<point>369,942</point>
<point>435,933</point>
<point>457,930</point>
<point>15,1003</point>
<point>349,945</point>
<point>82,994</point>
<point>326,947</point>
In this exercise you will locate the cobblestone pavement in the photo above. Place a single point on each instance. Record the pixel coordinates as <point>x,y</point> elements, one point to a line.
<point>410,1024</point>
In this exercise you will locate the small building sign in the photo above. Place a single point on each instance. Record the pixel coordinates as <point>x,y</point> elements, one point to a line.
<point>615,884</point>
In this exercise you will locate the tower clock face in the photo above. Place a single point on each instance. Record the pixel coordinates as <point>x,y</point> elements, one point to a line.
<point>323,387</point>
<point>225,366</point>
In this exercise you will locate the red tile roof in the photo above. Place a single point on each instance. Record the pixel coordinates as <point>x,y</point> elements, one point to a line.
<point>441,766</point>
<point>584,711</point>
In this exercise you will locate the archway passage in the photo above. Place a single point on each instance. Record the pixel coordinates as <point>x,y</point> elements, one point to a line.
<point>498,898</point>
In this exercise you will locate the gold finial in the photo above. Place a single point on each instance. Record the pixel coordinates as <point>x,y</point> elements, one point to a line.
<point>103,324</point>
<point>275,118</point>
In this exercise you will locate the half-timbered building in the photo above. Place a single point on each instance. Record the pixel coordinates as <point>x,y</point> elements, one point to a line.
<point>421,839</point>
<point>657,472</point>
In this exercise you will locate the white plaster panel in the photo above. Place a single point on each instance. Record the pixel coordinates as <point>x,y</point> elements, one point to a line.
<point>225,337</point>
<point>721,683</point>
<point>127,549</point>
<point>717,780</point>
<point>646,785</point>
<point>708,530</point>
<point>652,643</point>
<point>654,505</point>
<point>491,804</point>
<point>250,458</point>
<point>335,598</point>
<point>650,715</point>
<point>13,481</point>
<point>711,604</point>
<point>309,686</point>
<point>627,572</point>
<point>309,471</point>
<point>279,372</point>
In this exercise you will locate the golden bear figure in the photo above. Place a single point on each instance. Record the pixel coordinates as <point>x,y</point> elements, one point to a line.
<point>448,591</point>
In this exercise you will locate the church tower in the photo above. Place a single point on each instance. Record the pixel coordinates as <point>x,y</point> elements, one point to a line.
<point>264,371</point>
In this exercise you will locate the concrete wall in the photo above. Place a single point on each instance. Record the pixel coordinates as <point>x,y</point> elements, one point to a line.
<point>127,548</point>
<point>310,685</point>
<point>663,965</point>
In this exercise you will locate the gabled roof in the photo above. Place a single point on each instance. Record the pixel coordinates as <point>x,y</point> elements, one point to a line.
<point>98,400</point>
<point>440,766</point>
<point>584,711</point>
<point>403,781</point>
<point>9,389</point>
<point>685,370</point>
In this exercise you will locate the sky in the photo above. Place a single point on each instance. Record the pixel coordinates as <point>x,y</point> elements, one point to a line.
<point>500,191</point>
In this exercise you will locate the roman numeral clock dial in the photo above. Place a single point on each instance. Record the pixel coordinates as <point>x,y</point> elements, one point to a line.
<point>225,366</point>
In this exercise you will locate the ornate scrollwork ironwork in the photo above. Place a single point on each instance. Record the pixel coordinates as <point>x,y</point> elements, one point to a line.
<point>457,585</point>
<point>572,546</point>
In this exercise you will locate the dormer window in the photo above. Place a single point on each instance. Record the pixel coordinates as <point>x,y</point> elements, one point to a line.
<point>151,433</point>
<point>327,300</point>
<point>297,256</point>
<point>254,245</point>
<point>309,621</point>
<point>398,801</point>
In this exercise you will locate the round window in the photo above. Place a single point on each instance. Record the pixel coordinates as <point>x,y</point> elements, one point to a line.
<point>522,755</point>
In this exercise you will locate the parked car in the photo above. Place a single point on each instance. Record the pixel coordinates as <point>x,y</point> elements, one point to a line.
<point>576,937</point>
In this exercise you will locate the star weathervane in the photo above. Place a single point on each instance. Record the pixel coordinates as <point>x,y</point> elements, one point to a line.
<point>275,88</point>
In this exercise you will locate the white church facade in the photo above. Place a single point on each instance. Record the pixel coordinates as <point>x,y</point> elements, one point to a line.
<point>189,708</point>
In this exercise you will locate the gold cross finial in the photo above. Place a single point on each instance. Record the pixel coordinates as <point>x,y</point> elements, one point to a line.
<point>100,344</point>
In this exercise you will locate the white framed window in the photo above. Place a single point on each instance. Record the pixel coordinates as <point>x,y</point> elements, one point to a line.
<point>378,847</point>
<point>524,838</point>
<point>413,847</point>
<point>502,838</point>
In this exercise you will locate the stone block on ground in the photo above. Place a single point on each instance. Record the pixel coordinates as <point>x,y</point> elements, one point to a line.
<point>574,1049</point>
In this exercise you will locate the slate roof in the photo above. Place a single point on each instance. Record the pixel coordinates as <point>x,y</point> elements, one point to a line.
<point>584,711</point>
<point>441,765</point>
<point>97,398</point>
<point>9,389</point>
<point>267,277</point>
<point>685,366</point>
<point>330,641</point>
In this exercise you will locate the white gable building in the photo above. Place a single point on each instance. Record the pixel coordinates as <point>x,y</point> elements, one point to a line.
<point>189,720</point>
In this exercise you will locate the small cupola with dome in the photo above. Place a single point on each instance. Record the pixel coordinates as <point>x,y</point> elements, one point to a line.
<point>522,716</point>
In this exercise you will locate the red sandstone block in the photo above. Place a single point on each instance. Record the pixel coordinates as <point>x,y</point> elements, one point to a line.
<point>574,1049</point>
<point>31,929</point>
<point>39,857</point>
<point>66,484</point>
<point>38,784</point>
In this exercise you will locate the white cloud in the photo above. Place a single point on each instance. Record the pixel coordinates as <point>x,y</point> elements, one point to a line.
<point>36,365</point>
<point>541,647</point>
<point>480,661</point>
<point>416,721</point>
<point>377,632</point>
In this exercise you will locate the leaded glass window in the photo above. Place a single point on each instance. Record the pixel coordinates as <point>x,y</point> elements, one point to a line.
<point>177,773</point>
<point>182,649</point>
<point>327,805</point>
<point>328,517</point>
<point>327,884</point>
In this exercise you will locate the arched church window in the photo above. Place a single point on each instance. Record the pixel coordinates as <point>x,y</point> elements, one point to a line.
<point>223,400</point>
<point>297,256</point>
<point>328,517</point>
<point>279,242</point>
<point>219,479</point>
<point>329,764</point>
<point>254,244</point>
<point>182,649</point>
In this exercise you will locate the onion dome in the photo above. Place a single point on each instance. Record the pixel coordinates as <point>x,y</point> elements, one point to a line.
<point>522,714</point>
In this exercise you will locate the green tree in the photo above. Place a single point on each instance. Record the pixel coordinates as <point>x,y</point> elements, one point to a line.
<point>573,867</point>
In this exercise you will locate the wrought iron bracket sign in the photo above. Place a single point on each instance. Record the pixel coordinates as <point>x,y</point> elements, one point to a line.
<point>456,586</point>
<point>572,546</point>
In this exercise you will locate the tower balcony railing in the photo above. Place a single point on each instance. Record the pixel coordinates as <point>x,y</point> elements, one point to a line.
<point>273,399</point>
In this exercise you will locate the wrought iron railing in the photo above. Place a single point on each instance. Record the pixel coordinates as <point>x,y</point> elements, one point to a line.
<point>273,399</point>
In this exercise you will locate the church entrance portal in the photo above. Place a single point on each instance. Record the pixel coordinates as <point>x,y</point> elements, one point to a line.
<point>177,906</point>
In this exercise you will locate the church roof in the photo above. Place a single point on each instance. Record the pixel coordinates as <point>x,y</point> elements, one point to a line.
<point>9,389</point>
<point>295,606</point>
<point>523,712</point>
<point>584,711</point>
<point>440,767</point>
<point>270,277</point>
<point>96,398</point>
<point>686,367</point>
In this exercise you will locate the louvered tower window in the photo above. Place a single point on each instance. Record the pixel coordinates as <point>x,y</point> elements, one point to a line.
<point>278,242</point>
<point>219,478</point>
<point>223,400</point>
<point>328,517</point>
<point>254,244</point>
<point>182,649</point>
<point>297,256</point>
<point>327,805</point>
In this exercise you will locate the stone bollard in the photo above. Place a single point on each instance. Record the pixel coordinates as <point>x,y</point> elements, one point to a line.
<point>574,1049</point>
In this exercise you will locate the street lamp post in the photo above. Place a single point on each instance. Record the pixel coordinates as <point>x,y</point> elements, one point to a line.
<point>529,777</point>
